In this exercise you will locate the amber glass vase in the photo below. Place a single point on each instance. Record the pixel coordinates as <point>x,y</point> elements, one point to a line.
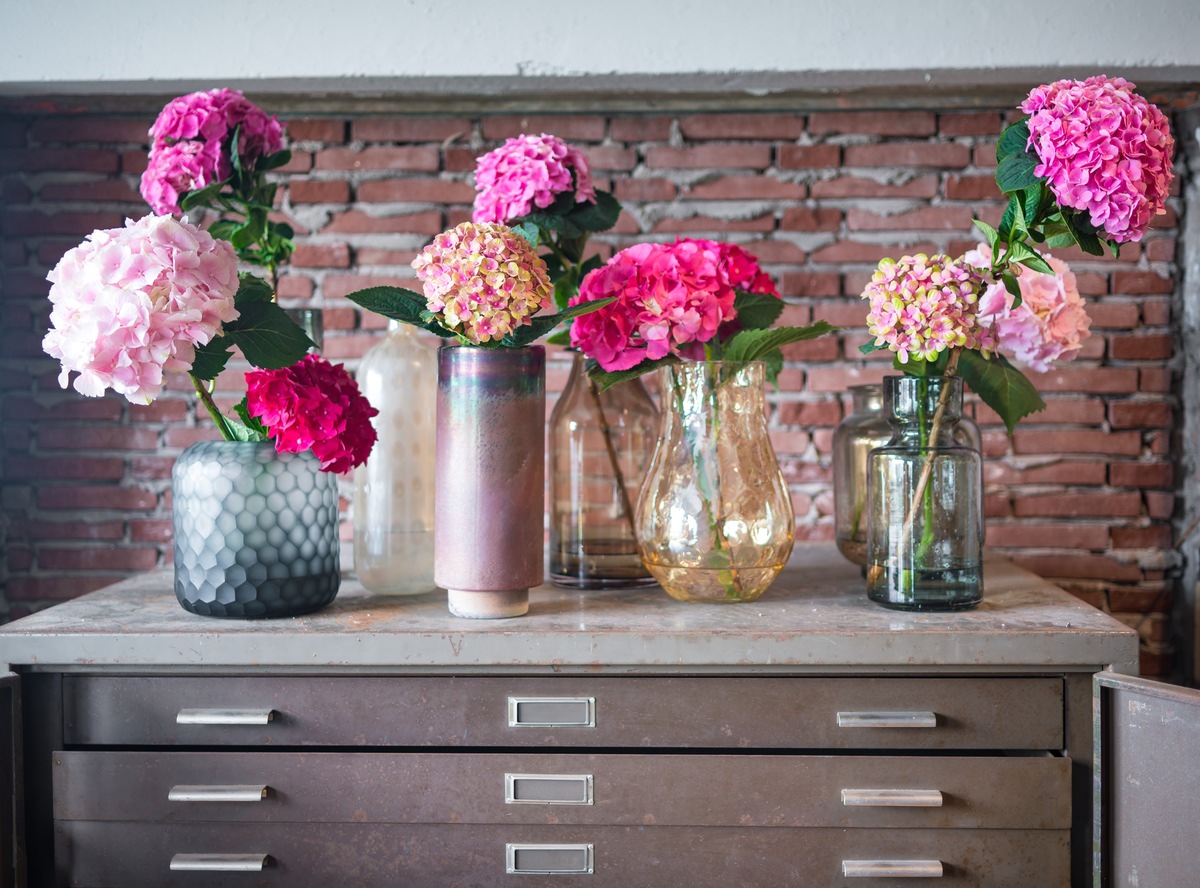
<point>715,520</point>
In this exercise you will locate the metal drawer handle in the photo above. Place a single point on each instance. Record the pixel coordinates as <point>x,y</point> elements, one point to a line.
<point>887,719</point>
<point>217,793</point>
<point>219,863</point>
<point>549,860</point>
<point>548,789</point>
<point>225,716</point>
<point>551,712</point>
<point>892,798</point>
<point>892,869</point>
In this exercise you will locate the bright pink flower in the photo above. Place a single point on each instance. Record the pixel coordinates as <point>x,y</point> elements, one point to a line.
<point>131,302</point>
<point>527,172</point>
<point>923,305</point>
<point>483,281</point>
<point>1051,322</point>
<point>671,298</point>
<point>1105,151</point>
<point>314,405</point>
<point>189,144</point>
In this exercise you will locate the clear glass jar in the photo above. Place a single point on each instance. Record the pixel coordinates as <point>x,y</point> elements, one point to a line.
<point>863,429</point>
<point>714,518</point>
<point>600,446</point>
<point>925,502</point>
<point>393,489</point>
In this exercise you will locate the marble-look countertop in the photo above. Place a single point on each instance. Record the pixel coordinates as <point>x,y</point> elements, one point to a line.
<point>815,618</point>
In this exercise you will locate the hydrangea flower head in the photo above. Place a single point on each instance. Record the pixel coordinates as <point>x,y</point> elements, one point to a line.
<point>527,172</point>
<point>922,305</point>
<point>483,280</point>
<point>1051,322</point>
<point>670,298</point>
<point>315,405</point>
<point>189,144</point>
<point>129,303</point>
<point>1105,151</point>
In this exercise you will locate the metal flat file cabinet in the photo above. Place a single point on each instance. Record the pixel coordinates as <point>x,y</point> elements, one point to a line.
<point>608,738</point>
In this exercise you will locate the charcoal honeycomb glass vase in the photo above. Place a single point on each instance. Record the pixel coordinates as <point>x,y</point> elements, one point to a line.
<point>256,532</point>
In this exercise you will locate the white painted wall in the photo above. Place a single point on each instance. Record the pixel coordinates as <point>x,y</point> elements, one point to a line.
<point>45,44</point>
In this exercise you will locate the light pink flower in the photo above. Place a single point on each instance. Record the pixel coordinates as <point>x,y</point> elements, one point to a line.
<point>1051,322</point>
<point>923,305</point>
<point>527,172</point>
<point>314,405</point>
<point>131,302</point>
<point>1104,150</point>
<point>671,298</point>
<point>483,281</point>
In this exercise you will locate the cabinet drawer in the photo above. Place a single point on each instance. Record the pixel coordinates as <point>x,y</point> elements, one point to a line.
<point>650,788</point>
<point>130,855</point>
<point>642,711</point>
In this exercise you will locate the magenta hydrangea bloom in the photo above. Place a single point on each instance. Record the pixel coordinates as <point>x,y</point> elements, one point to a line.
<point>129,303</point>
<point>483,281</point>
<point>189,150</point>
<point>1105,151</point>
<point>314,405</point>
<point>923,305</point>
<point>670,298</point>
<point>527,172</point>
<point>1051,322</point>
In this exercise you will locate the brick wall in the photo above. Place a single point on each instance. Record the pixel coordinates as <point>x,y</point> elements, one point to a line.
<point>1083,493</point>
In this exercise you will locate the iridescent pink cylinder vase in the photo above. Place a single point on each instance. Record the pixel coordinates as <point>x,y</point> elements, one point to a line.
<point>490,507</point>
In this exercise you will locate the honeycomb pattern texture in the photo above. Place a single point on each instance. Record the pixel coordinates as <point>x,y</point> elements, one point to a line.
<point>256,531</point>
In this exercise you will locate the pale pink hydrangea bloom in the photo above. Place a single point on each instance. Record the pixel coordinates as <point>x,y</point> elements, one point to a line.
<point>1104,149</point>
<point>527,172</point>
<point>132,302</point>
<point>1051,322</point>
<point>671,298</point>
<point>188,147</point>
<point>923,305</point>
<point>483,280</point>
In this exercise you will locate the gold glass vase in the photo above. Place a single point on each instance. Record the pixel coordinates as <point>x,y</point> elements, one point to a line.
<point>715,520</point>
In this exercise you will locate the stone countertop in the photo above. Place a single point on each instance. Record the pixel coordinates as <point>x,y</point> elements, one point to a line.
<point>815,618</point>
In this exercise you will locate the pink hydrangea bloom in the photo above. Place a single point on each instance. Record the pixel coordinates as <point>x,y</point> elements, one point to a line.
<point>923,305</point>
<point>671,298</point>
<point>483,281</point>
<point>314,405</point>
<point>1104,149</point>
<point>1051,322</point>
<point>129,303</point>
<point>528,172</point>
<point>189,147</point>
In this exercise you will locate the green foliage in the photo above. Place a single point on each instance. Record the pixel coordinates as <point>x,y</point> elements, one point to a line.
<point>605,379</point>
<point>756,345</point>
<point>1001,386</point>
<point>756,311</point>
<point>541,324</point>
<point>250,429</point>
<point>398,304</point>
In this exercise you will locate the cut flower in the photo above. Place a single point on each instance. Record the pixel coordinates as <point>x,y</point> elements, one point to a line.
<point>527,173</point>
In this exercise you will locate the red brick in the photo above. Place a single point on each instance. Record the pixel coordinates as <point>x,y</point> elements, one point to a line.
<point>777,252</point>
<point>742,126</point>
<point>789,441</point>
<point>90,468</point>
<point>1113,315</point>
<point>358,222</point>
<point>12,132</point>
<point>706,156</point>
<point>151,530</point>
<point>1091,380</point>
<point>1140,414</point>
<point>1151,347</point>
<point>963,186</point>
<point>1078,505</point>
<point>91,129</point>
<point>645,190</point>
<point>970,123</point>
<point>1156,312</point>
<point>23,223</point>
<point>640,128</point>
<point>856,251</point>
<point>69,530</point>
<point>337,286</point>
<point>846,186</point>
<point>983,155</point>
<point>1155,380</point>
<point>1154,536</point>
<point>306,191</point>
<point>134,162</point>
<point>1079,566</point>
<point>585,128</point>
<point>95,558</point>
<point>764,187</point>
<point>914,154</point>
<point>612,158</point>
<point>839,379</point>
<point>811,219</point>
<point>1142,474</point>
<point>368,256</point>
<point>43,160</point>
<point>457,159</point>
<point>292,286</point>
<point>1062,471</point>
<point>1138,283</point>
<point>1160,249</point>
<point>420,158</point>
<point>153,468</point>
<point>349,347</point>
<point>707,224</point>
<point>107,190</point>
<point>1085,411</point>
<point>944,218</point>
<point>339,318</point>
<point>1026,440</point>
<point>810,413</point>
<point>410,129</point>
<point>806,157</point>
<point>330,130</point>
<point>321,256</point>
<point>1066,535</point>
<point>823,348</point>
<point>415,191</point>
<point>1159,504</point>
<point>301,162</point>
<point>877,123</point>
<point>96,438</point>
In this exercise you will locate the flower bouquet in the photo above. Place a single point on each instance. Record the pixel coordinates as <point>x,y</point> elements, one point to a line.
<point>1091,165</point>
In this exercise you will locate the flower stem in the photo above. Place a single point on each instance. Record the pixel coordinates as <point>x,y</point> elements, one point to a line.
<point>614,461</point>
<point>211,406</point>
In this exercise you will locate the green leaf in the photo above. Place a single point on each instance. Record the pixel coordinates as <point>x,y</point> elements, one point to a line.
<point>1083,233</point>
<point>211,358</point>
<point>1001,386</point>
<point>1012,221</point>
<point>755,345</point>
<point>251,427</point>
<point>604,379</point>
<point>267,337</point>
<point>757,311</point>
<point>541,324</point>
<point>1014,140</point>
<point>529,231</point>
<point>565,289</point>
<point>252,288</point>
<point>870,347</point>
<point>1013,286</point>
<point>550,222</point>
<point>201,198</point>
<point>395,303</point>
<point>1018,251</point>
<point>562,337</point>
<point>1031,200</point>
<point>774,362</point>
<point>991,235</point>
<point>1015,173</point>
<point>222,229</point>
<point>599,216</point>
<point>274,161</point>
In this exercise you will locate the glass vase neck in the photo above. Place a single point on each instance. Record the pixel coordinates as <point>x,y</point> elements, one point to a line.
<point>913,398</point>
<point>866,398</point>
